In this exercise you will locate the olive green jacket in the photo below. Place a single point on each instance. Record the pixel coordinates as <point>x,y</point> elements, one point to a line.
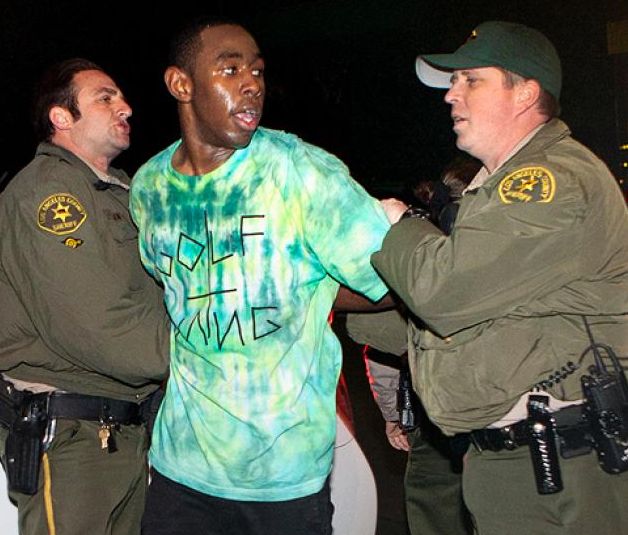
<point>543,241</point>
<point>78,311</point>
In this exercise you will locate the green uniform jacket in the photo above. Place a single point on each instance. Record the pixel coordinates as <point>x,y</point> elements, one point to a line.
<point>543,241</point>
<point>78,311</point>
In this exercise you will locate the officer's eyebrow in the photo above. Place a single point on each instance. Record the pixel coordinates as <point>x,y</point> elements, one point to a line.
<point>106,89</point>
<point>456,74</point>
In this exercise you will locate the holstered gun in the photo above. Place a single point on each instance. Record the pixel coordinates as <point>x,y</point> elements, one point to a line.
<point>24,445</point>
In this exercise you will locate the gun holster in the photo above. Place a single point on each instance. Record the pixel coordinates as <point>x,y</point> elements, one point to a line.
<point>24,446</point>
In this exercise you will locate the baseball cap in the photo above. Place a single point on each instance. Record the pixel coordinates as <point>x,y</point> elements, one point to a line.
<point>511,46</point>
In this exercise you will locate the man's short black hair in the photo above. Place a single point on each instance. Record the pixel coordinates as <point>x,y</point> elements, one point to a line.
<point>56,88</point>
<point>185,43</point>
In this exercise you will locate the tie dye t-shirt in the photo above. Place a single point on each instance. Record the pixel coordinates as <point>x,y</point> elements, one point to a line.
<point>250,256</point>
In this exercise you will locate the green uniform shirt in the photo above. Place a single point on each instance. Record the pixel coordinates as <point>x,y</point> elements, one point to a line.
<point>79,312</point>
<point>542,242</point>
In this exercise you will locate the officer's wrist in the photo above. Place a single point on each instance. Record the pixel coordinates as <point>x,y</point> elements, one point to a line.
<point>415,212</point>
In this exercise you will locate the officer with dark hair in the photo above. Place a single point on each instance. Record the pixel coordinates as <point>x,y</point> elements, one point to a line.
<point>84,336</point>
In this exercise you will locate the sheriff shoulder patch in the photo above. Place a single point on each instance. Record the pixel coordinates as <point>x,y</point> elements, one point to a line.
<point>529,184</point>
<point>60,214</point>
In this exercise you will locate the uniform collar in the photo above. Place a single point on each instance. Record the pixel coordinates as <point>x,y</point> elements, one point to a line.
<point>543,135</point>
<point>107,178</point>
<point>115,176</point>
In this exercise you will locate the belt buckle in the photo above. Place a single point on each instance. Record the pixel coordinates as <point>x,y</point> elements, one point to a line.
<point>508,436</point>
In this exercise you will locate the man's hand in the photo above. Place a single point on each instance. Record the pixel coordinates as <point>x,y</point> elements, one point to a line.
<point>397,438</point>
<point>394,209</point>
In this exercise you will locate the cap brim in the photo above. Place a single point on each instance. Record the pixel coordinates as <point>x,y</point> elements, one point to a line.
<point>431,76</point>
<point>435,70</point>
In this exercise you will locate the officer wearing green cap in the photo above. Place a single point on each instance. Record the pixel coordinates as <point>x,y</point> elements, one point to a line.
<point>533,274</point>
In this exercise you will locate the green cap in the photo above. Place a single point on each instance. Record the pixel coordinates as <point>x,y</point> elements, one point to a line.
<point>511,46</point>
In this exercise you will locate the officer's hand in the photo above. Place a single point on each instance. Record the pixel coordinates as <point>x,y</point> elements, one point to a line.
<point>394,209</point>
<point>397,438</point>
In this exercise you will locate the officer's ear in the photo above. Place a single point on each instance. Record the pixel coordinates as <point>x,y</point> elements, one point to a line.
<point>61,118</point>
<point>527,94</point>
<point>179,83</point>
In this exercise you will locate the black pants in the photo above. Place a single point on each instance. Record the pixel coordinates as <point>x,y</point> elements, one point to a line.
<point>174,509</point>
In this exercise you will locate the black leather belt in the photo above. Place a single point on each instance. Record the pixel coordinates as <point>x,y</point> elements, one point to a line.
<point>93,408</point>
<point>572,429</point>
<point>72,406</point>
<point>509,437</point>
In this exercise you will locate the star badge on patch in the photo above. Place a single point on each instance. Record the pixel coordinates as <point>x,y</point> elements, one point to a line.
<point>529,184</point>
<point>60,213</point>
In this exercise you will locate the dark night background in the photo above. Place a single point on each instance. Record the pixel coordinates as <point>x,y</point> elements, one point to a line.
<point>340,73</point>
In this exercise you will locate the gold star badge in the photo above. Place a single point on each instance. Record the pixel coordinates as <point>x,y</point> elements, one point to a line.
<point>61,211</point>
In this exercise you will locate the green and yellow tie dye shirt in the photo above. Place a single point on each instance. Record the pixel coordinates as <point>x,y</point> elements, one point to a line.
<point>250,256</point>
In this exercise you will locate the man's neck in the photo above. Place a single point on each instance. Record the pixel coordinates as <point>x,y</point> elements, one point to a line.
<point>97,161</point>
<point>485,172</point>
<point>193,158</point>
<point>512,142</point>
<point>196,156</point>
<point>494,163</point>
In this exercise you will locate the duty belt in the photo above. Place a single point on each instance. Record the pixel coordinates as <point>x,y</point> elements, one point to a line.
<point>66,405</point>
<point>94,408</point>
<point>572,429</point>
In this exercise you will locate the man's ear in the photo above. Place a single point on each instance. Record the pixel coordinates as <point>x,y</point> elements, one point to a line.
<point>60,118</point>
<point>178,83</point>
<point>528,93</point>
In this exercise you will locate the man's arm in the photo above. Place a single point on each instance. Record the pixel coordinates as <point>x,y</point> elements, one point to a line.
<point>498,257</point>
<point>350,301</point>
<point>89,305</point>
<point>384,381</point>
<point>386,331</point>
<point>343,225</point>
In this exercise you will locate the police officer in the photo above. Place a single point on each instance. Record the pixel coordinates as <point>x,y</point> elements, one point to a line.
<point>433,480</point>
<point>84,334</point>
<point>533,271</point>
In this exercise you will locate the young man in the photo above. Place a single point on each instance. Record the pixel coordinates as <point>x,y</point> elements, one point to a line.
<point>533,271</point>
<point>84,333</point>
<point>250,231</point>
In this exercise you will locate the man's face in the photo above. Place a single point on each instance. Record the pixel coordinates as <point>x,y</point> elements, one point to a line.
<point>482,109</point>
<point>102,130</point>
<point>227,87</point>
